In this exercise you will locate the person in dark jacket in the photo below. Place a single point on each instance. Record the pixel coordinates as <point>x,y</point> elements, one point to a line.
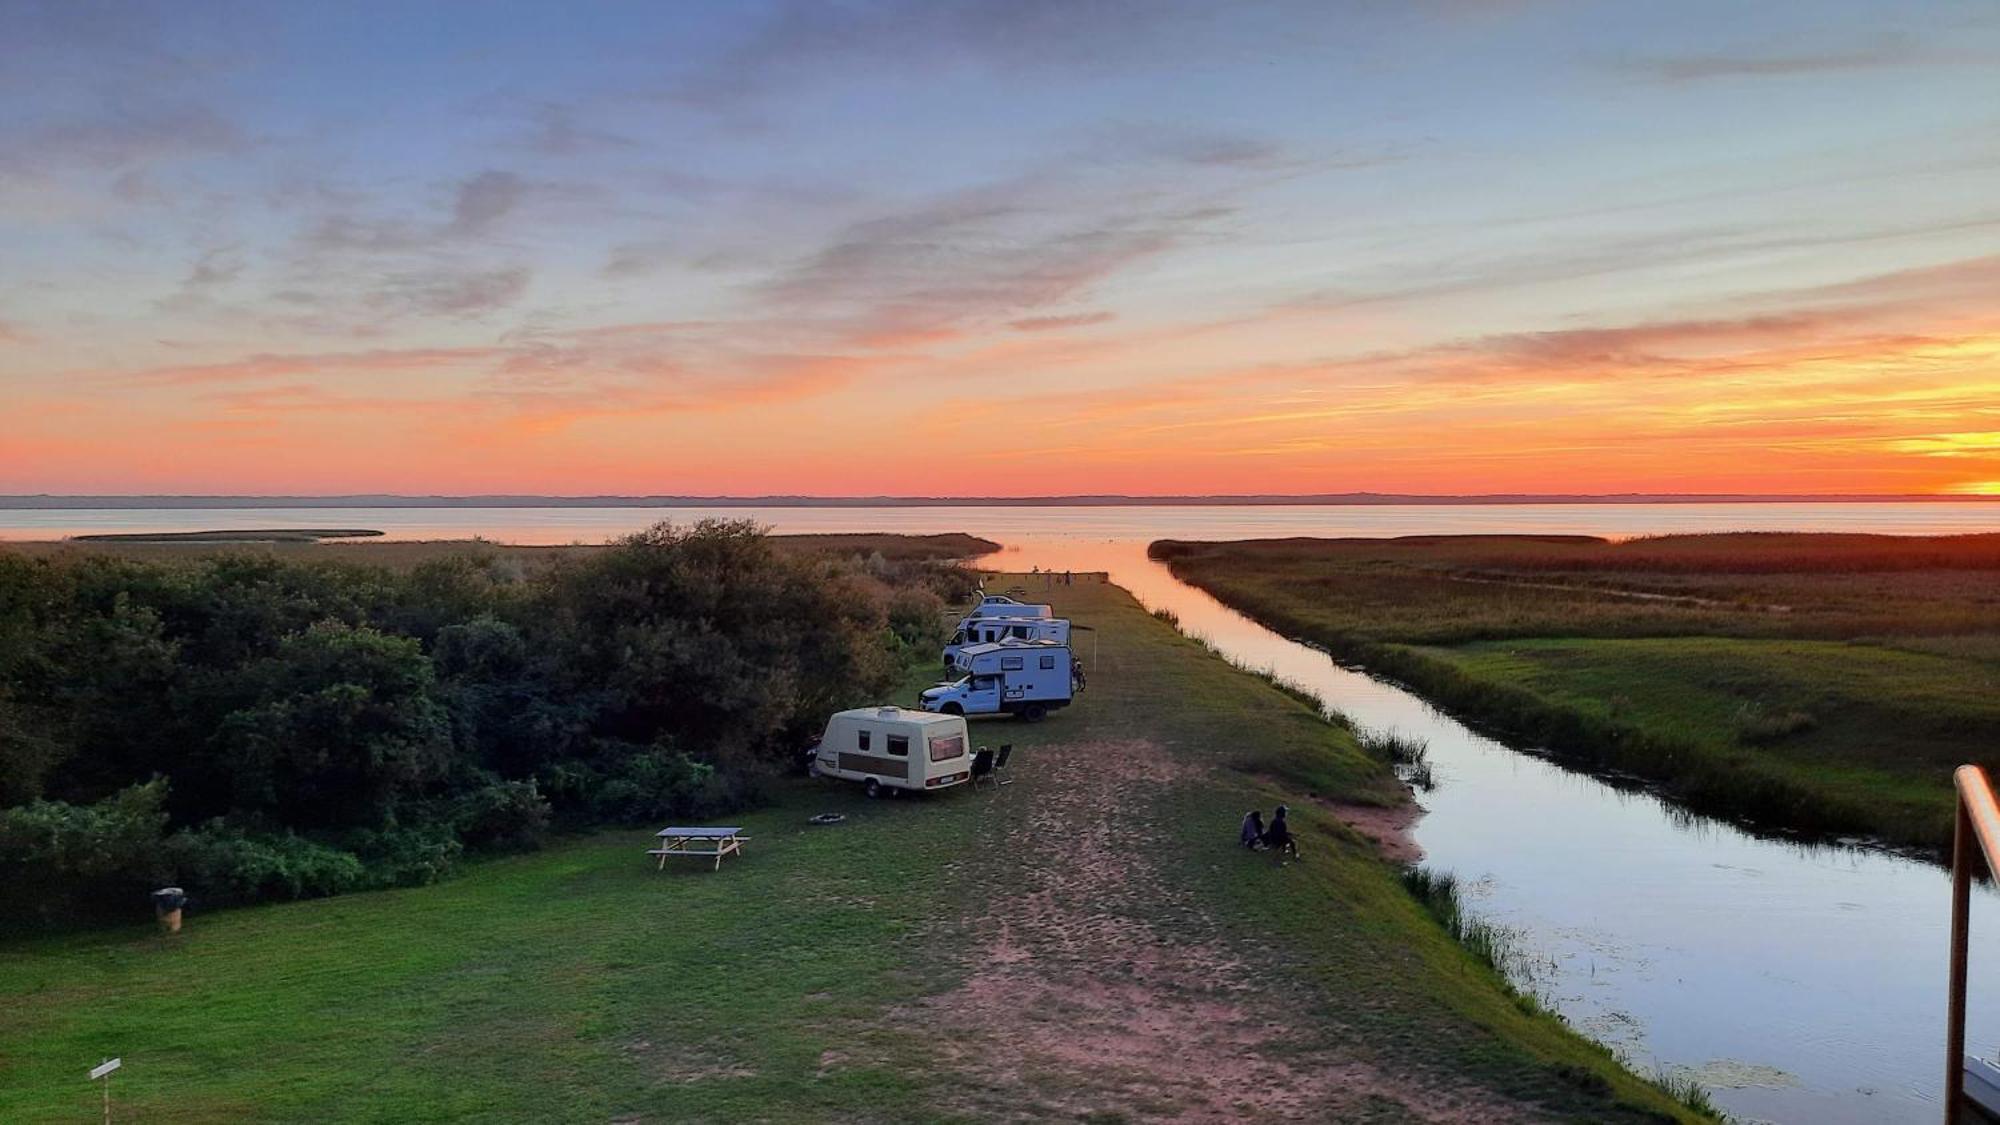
<point>1278,836</point>
<point>1252,836</point>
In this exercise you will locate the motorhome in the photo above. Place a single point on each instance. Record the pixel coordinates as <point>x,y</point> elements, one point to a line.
<point>1025,678</point>
<point>894,748</point>
<point>986,630</point>
<point>996,605</point>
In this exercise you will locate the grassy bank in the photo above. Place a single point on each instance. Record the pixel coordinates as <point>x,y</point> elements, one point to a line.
<point>1825,684</point>
<point>1085,943</point>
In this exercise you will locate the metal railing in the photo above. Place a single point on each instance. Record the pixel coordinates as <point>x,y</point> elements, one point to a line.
<point>1978,824</point>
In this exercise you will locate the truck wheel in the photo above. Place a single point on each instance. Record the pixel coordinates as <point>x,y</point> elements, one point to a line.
<point>872,789</point>
<point>1034,712</point>
<point>953,709</point>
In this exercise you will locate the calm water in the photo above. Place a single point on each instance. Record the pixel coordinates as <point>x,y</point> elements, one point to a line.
<point>1142,524</point>
<point>1800,984</point>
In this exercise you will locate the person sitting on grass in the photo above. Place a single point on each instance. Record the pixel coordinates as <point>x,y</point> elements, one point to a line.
<point>1253,830</point>
<point>1278,837</point>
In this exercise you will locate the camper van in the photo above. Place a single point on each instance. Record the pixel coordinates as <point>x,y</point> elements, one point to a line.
<point>1025,678</point>
<point>893,748</point>
<point>986,630</point>
<point>996,605</point>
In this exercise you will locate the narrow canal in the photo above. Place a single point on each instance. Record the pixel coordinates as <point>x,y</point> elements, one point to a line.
<point>1799,984</point>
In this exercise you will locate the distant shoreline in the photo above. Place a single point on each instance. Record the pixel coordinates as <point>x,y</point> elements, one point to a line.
<point>1344,499</point>
<point>236,535</point>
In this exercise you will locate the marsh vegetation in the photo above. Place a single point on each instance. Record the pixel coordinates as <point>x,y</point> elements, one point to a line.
<point>1817,683</point>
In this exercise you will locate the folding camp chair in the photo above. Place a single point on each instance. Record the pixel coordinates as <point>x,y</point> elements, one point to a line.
<point>991,768</point>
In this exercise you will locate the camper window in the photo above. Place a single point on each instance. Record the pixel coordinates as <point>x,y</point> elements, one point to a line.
<point>1011,664</point>
<point>1048,661</point>
<point>899,745</point>
<point>945,749</point>
<point>861,739</point>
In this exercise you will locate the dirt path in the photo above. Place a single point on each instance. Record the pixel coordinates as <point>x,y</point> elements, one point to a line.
<point>1106,989</point>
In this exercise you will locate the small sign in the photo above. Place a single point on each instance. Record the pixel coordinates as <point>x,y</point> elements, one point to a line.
<point>106,1067</point>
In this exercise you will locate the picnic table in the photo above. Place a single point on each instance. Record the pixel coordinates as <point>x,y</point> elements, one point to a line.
<point>702,842</point>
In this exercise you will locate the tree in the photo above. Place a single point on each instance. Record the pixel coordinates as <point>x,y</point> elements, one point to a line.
<point>345,727</point>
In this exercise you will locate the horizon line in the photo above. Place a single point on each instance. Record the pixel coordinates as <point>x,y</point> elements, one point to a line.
<point>63,501</point>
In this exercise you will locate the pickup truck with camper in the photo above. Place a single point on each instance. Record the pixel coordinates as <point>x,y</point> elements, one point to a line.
<point>997,605</point>
<point>1025,678</point>
<point>986,630</point>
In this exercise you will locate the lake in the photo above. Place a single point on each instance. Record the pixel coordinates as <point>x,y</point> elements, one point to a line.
<point>1013,524</point>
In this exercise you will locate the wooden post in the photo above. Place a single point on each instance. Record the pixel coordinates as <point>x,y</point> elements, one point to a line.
<point>101,1074</point>
<point>1961,903</point>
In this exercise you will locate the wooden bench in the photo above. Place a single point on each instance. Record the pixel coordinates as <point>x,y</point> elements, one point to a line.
<point>705,843</point>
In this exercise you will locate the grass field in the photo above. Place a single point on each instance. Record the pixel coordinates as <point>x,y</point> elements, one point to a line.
<point>1087,943</point>
<point>1820,683</point>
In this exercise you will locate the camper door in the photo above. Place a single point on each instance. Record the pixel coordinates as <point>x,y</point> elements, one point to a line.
<point>1013,673</point>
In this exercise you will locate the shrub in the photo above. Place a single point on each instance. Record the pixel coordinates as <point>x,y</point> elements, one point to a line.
<point>501,816</point>
<point>219,865</point>
<point>406,857</point>
<point>917,616</point>
<point>63,860</point>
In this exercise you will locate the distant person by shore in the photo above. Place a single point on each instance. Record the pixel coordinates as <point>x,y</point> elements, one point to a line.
<point>1252,835</point>
<point>1278,837</point>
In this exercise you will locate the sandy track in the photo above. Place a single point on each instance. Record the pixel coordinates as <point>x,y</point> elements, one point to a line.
<point>1105,989</point>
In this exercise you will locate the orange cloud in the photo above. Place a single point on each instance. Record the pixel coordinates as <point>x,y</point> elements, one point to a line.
<point>270,366</point>
<point>1888,384</point>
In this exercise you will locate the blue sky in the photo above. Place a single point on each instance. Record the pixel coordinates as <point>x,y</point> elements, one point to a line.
<point>1251,247</point>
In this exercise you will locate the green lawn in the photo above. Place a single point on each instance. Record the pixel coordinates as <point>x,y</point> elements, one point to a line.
<point>1086,941</point>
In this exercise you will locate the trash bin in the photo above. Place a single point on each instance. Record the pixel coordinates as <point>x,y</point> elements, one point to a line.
<point>167,903</point>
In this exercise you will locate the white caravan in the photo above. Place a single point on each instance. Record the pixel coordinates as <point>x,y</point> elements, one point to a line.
<point>986,630</point>
<point>894,748</point>
<point>1025,678</point>
<point>996,605</point>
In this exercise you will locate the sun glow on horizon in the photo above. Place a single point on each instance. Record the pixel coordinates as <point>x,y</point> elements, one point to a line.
<point>685,251</point>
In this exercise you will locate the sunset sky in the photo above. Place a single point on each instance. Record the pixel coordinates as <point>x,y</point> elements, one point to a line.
<point>934,248</point>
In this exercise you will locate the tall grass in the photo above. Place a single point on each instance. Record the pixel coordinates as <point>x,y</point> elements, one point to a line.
<point>1438,892</point>
<point>1408,754</point>
<point>1683,1088</point>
